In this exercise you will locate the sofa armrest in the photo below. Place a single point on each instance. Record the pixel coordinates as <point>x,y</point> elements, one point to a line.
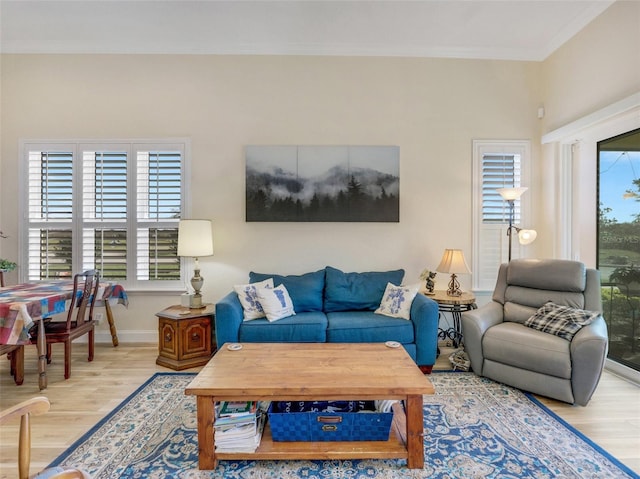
<point>424,315</point>
<point>229,316</point>
<point>474,324</point>
<point>588,353</point>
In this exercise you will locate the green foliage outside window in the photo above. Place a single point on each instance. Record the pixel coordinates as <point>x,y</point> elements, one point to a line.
<point>619,244</point>
<point>6,265</point>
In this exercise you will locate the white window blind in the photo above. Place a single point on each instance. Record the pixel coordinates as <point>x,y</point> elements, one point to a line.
<point>104,212</point>
<point>112,206</point>
<point>499,170</point>
<point>50,213</point>
<point>496,164</point>
<point>159,205</point>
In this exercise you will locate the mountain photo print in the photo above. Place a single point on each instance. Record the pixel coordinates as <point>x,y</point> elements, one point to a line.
<point>323,183</point>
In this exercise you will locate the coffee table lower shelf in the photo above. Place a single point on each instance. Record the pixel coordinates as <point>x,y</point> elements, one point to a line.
<point>394,448</point>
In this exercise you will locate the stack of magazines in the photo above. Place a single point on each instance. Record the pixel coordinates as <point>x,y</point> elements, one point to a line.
<point>239,425</point>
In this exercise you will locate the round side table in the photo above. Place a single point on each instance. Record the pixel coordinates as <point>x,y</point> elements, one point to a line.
<point>454,305</point>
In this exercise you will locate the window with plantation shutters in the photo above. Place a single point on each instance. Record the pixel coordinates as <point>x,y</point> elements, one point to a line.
<point>496,164</point>
<point>112,206</point>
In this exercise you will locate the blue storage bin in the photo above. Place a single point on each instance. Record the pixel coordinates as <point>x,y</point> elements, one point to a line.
<point>329,426</point>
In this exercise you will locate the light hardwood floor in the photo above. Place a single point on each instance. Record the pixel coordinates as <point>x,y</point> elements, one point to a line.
<point>611,420</point>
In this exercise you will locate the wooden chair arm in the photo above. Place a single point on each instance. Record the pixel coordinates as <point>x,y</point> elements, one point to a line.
<point>36,405</point>
<point>66,474</point>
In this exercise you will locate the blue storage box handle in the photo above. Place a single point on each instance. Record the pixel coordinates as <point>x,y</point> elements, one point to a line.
<point>329,419</point>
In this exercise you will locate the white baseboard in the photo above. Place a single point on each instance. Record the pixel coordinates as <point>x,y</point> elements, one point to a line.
<point>623,371</point>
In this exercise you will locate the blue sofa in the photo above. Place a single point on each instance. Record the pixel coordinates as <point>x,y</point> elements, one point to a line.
<point>338,307</point>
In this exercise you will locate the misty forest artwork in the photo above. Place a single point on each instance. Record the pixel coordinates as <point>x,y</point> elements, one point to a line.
<point>323,183</point>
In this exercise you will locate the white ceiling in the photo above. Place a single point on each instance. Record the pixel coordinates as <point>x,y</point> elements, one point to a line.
<point>503,29</point>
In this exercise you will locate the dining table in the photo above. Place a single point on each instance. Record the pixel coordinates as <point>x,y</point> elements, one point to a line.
<point>23,305</point>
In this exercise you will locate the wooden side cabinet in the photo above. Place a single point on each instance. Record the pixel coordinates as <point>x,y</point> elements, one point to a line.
<point>186,337</point>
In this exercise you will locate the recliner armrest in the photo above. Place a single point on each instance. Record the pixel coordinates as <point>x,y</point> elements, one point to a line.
<point>588,352</point>
<point>229,317</point>
<point>485,316</point>
<point>474,324</point>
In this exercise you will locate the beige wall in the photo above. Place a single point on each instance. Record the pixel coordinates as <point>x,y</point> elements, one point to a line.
<point>430,108</point>
<point>597,68</point>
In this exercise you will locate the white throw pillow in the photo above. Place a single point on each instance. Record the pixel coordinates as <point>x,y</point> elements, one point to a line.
<point>276,302</point>
<point>396,301</point>
<point>248,296</point>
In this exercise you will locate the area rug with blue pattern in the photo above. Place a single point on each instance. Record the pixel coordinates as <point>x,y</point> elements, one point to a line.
<point>473,428</point>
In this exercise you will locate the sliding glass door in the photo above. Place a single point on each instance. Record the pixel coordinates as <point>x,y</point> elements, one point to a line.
<point>619,243</point>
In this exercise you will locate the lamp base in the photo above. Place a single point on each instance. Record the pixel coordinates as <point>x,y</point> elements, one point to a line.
<point>454,287</point>
<point>195,302</point>
<point>196,283</point>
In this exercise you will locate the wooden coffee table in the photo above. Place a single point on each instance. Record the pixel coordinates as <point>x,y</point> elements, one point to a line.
<point>311,372</point>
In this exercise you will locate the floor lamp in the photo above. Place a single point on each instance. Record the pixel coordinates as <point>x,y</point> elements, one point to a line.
<point>510,195</point>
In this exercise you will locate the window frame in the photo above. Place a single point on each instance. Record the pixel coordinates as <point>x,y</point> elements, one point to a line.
<point>482,279</point>
<point>131,223</point>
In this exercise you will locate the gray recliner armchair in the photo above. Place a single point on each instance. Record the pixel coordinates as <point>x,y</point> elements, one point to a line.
<point>502,348</point>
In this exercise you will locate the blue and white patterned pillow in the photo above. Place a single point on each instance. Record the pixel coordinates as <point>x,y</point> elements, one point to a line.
<point>396,301</point>
<point>248,296</point>
<point>563,321</point>
<point>276,302</point>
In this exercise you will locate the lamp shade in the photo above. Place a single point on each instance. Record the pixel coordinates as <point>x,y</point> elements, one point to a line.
<point>453,262</point>
<point>195,238</point>
<point>511,194</point>
<point>526,237</point>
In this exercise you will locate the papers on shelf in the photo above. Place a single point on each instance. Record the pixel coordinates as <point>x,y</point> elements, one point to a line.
<point>237,408</point>
<point>238,431</point>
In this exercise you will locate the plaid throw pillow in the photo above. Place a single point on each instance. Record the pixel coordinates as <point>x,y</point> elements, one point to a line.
<point>562,321</point>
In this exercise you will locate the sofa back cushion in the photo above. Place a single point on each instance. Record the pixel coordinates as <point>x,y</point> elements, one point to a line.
<point>305,290</point>
<point>357,291</point>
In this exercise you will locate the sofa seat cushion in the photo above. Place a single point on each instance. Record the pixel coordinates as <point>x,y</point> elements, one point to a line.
<point>367,327</point>
<point>308,327</point>
<point>529,349</point>
<point>357,291</point>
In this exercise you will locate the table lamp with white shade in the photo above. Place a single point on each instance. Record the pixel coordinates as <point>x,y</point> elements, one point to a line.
<point>195,240</point>
<point>453,262</point>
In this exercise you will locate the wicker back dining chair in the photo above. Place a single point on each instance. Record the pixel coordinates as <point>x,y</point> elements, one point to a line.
<point>79,319</point>
<point>24,410</point>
